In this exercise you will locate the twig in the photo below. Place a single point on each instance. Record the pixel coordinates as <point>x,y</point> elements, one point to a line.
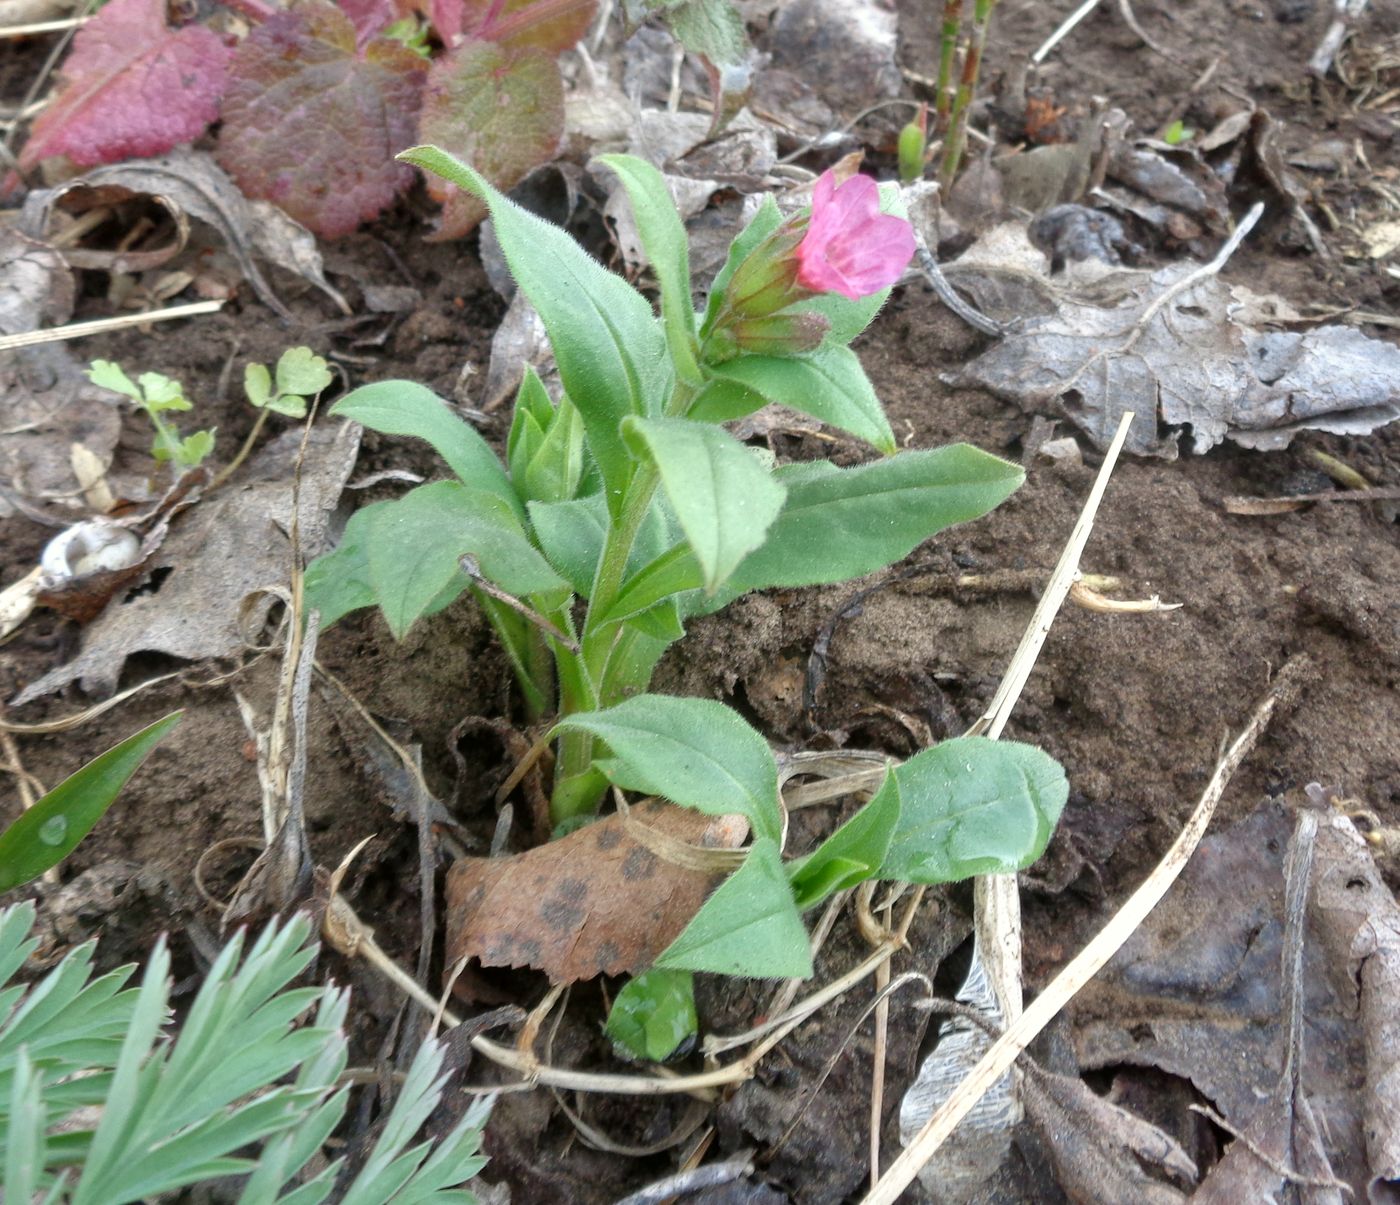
<point>23,781</point>
<point>58,26</point>
<point>949,296</point>
<point>98,326</point>
<point>711,1175</point>
<point>1057,589</point>
<point>1066,26</point>
<point>1060,990</point>
<point>1346,12</point>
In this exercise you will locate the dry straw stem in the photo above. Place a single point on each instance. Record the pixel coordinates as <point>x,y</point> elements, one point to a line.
<point>1004,1051</point>
<point>98,326</point>
<point>36,27</point>
<point>998,904</point>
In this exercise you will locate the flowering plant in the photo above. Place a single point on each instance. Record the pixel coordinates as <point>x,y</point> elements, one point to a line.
<point>628,494</point>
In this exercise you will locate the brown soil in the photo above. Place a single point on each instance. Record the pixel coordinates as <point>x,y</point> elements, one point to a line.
<point>1135,706</point>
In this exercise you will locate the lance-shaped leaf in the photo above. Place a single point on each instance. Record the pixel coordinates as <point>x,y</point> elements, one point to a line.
<point>750,926</point>
<point>607,343</point>
<point>50,830</point>
<point>829,384</point>
<point>723,497</point>
<point>973,806</point>
<point>853,853</point>
<point>838,524</point>
<point>132,87</point>
<point>415,545</point>
<point>338,582</point>
<point>842,523</point>
<point>407,408</point>
<point>695,752</point>
<point>500,109</point>
<point>311,124</point>
<point>663,236</point>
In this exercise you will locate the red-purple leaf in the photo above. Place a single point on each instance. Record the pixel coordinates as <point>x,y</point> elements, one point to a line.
<point>549,25</point>
<point>133,87</point>
<point>370,17</point>
<point>499,109</point>
<point>445,16</point>
<point>313,126</point>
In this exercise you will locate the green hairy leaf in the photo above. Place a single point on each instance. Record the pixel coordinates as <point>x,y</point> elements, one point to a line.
<point>973,806</point>
<point>853,853</point>
<point>663,236</point>
<point>828,384</point>
<point>407,408</point>
<point>415,545</point>
<point>695,752</point>
<point>49,831</point>
<point>607,343</point>
<point>750,926</point>
<point>722,495</point>
<point>654,1013</point>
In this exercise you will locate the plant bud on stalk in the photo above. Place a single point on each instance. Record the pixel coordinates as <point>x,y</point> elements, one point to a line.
<point>846,246</point>
<point>780,334</point>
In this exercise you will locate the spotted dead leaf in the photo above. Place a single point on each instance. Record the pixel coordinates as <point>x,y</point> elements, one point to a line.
<point>597,902</point>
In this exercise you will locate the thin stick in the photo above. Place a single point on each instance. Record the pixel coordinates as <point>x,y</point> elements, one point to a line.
<point>98,326</point>
<point>25,31</point>
<point>1060,990</point>
<point>993,720</point>
<point>1066,26</point>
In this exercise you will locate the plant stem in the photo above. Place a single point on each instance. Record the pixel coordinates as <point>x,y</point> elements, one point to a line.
<point>232,467</point>
<point>967,89</point>
<point>947,54</point>
<point>581,684</point>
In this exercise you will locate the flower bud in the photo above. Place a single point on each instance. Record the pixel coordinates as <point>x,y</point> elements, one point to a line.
<point>780,334</point>
<point>766,281</point>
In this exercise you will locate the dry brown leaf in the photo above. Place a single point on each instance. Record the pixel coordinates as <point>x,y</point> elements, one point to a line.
<point>1195,993</point>
<point>1182,360</point>
<point>1360,923</point>
<point>46,403</point>
<point>217,553</point>
<point>1100,1151</point>
<point>191,183</point>
<point>596,902</point>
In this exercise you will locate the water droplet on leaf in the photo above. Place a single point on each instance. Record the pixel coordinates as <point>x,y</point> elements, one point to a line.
<point>54,830</point>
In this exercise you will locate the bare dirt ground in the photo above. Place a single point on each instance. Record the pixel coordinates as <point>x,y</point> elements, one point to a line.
<point>1134,706</point>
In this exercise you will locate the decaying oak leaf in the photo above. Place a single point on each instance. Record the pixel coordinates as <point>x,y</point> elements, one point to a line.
<point>597,902</point>
<point>189,184</point>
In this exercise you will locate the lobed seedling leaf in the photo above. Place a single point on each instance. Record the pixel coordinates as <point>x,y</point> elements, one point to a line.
<point>311,122</point>
<point>132,87</point>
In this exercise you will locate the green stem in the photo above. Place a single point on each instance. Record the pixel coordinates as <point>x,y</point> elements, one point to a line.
<point>947,54</point>
<point>967,89</point>
<point>576,790</point>
<point>232,467</point>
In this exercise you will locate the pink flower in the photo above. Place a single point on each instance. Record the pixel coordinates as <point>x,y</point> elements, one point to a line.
<point>851,247</point>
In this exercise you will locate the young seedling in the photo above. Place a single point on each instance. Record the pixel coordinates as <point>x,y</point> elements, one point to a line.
<point>156,396</point>
<point>299,376</point>
<point>625,509</point>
